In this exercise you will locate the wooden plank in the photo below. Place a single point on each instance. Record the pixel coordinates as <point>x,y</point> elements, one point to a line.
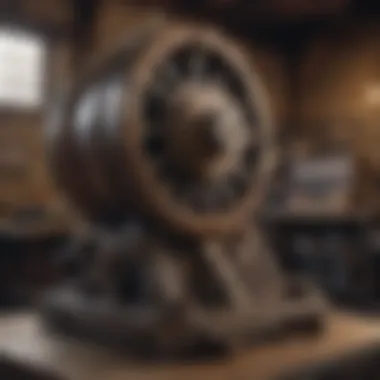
<point>48,12</point>
<point>22,338</point>
<point>116,22</point>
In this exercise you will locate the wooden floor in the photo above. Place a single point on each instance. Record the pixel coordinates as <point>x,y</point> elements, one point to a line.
<point>22,338</point>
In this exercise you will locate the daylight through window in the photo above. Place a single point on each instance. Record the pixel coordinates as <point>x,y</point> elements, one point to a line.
<point>22,57</point>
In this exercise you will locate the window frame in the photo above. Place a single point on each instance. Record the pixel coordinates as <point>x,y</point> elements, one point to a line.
<point>7,109</point>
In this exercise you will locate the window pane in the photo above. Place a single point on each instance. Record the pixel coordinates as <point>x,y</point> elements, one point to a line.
<point>22,58</point>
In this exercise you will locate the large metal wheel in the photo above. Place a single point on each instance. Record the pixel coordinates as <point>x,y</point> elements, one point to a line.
<point>178,129</point>
<point>198,132</point>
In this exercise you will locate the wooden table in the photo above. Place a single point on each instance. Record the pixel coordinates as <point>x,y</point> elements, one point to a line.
<point>23,338</point>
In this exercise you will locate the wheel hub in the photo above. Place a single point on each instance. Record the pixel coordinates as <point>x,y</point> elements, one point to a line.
<point>207,133</point>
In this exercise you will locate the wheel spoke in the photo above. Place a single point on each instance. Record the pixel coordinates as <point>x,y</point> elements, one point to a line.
<point>187,66</point>
<point>197,66</point>
<point>172,73</point>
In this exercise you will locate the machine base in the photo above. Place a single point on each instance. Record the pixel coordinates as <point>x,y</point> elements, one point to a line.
<point>154,332</point>
<point>164,301</point>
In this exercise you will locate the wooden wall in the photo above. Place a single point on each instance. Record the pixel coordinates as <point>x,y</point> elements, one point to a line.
<point>115,20</point>
<point>22,135</point>
<point>25,181</point>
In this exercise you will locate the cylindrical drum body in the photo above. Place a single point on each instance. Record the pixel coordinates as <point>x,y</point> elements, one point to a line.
<point>176,127</point>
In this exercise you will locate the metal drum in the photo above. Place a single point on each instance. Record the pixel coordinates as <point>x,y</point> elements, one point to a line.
<point>176,126</point>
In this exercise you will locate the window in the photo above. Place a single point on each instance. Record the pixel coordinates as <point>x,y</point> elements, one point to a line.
<point>22,59</point>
